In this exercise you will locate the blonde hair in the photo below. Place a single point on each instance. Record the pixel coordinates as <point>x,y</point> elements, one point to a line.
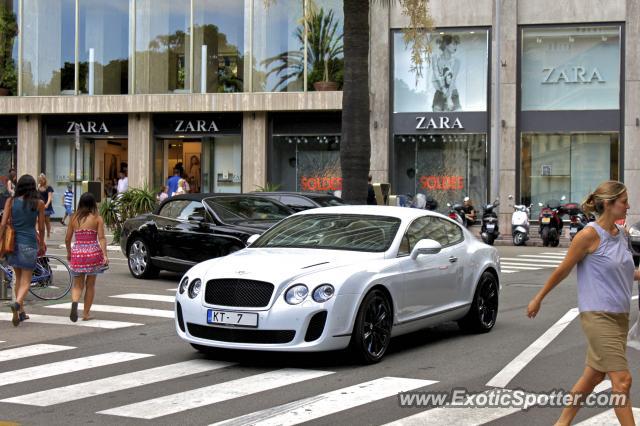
<point>42,178</point>
<point>610,190</point>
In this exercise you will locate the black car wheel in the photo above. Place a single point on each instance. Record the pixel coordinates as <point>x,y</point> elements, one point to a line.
<point>372,330</point>
<point>140,260</point>
<point>484,309</point>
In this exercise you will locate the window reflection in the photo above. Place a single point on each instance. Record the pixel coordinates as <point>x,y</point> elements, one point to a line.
<point>9,47</point>
<point>325,49</point>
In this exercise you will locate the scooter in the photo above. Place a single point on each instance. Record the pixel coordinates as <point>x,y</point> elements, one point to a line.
<point>577,219</point>
<point>489,229</point>
<point>456,212</point>
<point>520,223</point>
<point>550,219</point>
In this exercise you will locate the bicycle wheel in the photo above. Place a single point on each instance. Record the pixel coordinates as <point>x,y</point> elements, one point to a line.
<point>51,279</point>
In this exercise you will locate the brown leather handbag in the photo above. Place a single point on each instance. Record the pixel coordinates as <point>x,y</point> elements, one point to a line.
<point>8,240</point>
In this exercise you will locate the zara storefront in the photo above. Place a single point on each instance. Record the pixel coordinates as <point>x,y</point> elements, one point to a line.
<point>440,121</point>
<point>570,110</point>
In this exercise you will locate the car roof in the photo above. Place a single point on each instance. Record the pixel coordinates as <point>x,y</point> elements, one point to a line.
<point>202,196</point>
<point>405,213</point>
<point>302,194</point>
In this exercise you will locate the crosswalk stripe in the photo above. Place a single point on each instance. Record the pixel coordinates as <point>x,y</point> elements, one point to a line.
<point>128,310</point>
<point>508,272</point>
<point>452,415</point>
<point>562,255</point>
<point>607,418</point>
<point>520,259</point>
<point>538,256</point>
<point>602,386</point>
<point>521,264</point>
<point>179,402</point>
<point>33,350</point>
<point>149,297</point>
<point>519,267</point>
<point>172,290</point>
<point>505,375</point>
<point>55,320</point>
<point>315,407</point>
<point>116,383</point>
<point>68,366</point>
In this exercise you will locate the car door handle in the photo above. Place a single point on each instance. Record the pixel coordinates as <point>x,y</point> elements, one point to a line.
<point>169,228</point>
<point>453,259</point>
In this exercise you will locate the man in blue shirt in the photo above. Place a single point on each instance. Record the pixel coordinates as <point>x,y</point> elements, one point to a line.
<point>172,182</point>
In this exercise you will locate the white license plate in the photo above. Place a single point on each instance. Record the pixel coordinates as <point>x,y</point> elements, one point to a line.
<point>490,227</point>
<point>546,220</point>
<point>573,229</point>
<point>243,319</point>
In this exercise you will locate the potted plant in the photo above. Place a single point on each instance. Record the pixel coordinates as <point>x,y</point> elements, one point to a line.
<point>8,33</point>
<point>325,84</point>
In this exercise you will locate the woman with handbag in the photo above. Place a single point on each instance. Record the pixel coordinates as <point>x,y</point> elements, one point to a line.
<point>22,213</point>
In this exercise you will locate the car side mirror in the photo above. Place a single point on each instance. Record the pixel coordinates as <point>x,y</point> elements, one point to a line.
<point>425,246</point>
<point>196,218</point>
<point>252,239</point>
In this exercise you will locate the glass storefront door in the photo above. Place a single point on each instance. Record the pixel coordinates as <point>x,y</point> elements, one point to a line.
<point>8,159</point>
<point>208,164</point>
<point>447,167</point>
<point>573,165</point>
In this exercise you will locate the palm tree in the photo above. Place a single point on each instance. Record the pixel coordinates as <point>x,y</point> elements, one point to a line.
<point>355,146</point>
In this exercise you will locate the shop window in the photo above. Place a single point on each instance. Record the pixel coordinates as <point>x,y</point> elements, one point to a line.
<point>553,165</point>
<point>306,163</point>
<point>571,68</point>
<point>445,167</point>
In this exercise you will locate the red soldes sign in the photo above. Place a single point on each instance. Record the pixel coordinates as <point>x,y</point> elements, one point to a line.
<point>310,183</point>
<point>442,183</point>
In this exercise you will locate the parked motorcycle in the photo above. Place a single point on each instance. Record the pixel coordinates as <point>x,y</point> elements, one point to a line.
<point>578,220</point>
<point>550,219</point>
<point>520,223</point>
<point>489,229</point>
<point>456,212</point>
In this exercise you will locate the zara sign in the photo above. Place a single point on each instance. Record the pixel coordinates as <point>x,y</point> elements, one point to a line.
<point>196,126</point>
<point>87,127</point>
<point>438,123</point>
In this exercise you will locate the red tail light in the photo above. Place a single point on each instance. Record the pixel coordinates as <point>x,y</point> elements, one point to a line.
<point>453,216</point>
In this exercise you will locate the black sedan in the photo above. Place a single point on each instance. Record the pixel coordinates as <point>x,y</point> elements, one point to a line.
<point>299,201</point>
<point>187,229</point>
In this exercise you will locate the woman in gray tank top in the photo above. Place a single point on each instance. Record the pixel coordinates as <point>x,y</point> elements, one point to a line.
<point>605,278</point>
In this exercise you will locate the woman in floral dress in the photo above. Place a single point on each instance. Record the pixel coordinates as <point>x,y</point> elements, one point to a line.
<point>88,255</point>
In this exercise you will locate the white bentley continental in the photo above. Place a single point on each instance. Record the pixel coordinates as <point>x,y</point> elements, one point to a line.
<point>341,277</point>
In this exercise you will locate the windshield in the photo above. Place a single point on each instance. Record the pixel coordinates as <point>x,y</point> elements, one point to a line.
<point>247,209</point>
<point>332,232</point>
<point>328,201</point>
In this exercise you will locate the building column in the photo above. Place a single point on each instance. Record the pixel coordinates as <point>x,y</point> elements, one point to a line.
<point>508,139</point>
<point>254,150</point>
<point>29,145</point>
<point>379,92</point>
<point>140,151</point>
<point>631,171</point>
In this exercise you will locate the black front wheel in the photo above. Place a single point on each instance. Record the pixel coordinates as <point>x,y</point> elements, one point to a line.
<point>518,239</point>
<point>484,308</point>
<point>372,330</point>
<point>139,260</point>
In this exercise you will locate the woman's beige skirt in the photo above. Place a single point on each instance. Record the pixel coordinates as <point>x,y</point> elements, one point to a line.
<point>606,334</point>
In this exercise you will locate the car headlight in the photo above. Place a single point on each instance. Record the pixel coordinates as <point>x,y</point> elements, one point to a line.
<point>183,285</point>
<point>323,293</point>
<point>296,294</point>
<point>194,288</point>
<point>634,232</point>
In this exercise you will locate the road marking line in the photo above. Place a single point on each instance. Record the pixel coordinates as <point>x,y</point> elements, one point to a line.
<point>318,406</point>
<point>602,386</point>
<point>183,401</point>
<point>128,310</point>
<point>518,266</point>
<point>116,383</point>
<point>562,255</point>
<point>508,272</point>
<point>607,418</point>
<point>55,320</point>
<point>32,350</point>
<point>173,290</point>
<point>149,297</point>
<point>537,256</point>
<point>68,366</point>
<point>503,378</point>
<point>453,415</point>
<point>520,259</point>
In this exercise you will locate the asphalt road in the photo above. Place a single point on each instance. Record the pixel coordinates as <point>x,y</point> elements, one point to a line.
<point>143,374</point>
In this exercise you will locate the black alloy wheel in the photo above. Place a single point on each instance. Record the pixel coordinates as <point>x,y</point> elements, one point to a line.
<point>372,330</point>
<point>484,309</point>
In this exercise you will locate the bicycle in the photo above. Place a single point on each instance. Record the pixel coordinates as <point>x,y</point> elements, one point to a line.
<point>51,278</point>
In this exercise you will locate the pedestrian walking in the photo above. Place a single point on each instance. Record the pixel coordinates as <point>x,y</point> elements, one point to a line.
<point>605,278</point>
<point>88,255</point>
<point>68,202</point>
<point>23,212</point>
<point>46,194</point>
<point>11,182</point>
<point>123,183</point>
<point>163,194</point>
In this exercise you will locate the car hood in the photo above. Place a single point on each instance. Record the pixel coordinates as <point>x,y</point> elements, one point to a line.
<point>279,265</point>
